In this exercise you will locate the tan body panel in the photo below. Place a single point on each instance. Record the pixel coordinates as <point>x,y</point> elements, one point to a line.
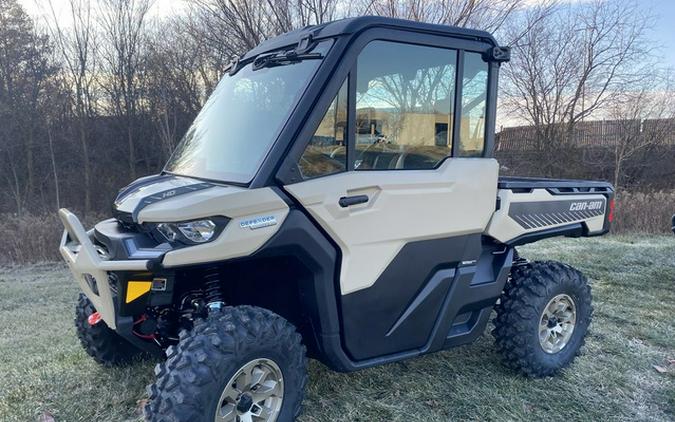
<point>236,203</point>
<point>503,227</point>
<point>404,206</point>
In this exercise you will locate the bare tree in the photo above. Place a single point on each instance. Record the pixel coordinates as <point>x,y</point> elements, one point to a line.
<point>645,117</point>
<point>24,71</point>
<point>232,27</point>
<point>569,67</point>
<point>177,78</point>
<point>123,24</point>
<point>316,11</point>
<point>52,159</point>
<point>488,15</point>
<point>77,46</point>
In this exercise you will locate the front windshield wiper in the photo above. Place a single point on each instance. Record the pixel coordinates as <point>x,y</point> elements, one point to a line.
<point>299,53</point>
<point>282,58</point>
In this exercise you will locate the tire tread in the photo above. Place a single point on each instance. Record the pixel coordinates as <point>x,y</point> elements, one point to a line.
<point>181,378</point>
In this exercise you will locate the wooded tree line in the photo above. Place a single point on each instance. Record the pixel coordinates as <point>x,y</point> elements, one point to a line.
<point>99,93</point>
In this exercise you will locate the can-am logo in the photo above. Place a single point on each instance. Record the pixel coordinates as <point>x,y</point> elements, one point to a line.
<point>586,206</point>
<point>259,222</point>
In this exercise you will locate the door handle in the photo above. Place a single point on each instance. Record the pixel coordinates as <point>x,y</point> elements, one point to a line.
<point>347,201</point>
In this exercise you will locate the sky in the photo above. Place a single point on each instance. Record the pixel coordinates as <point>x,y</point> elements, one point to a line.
<point>663,32</point>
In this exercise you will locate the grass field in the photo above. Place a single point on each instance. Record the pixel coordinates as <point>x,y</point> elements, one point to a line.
<point>43,370</point>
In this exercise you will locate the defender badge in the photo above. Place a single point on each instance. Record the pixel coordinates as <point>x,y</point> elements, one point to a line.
<point>259,222</point>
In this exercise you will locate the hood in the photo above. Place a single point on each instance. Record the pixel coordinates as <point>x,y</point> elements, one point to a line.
<point>169,199</point>
<point>146,191</point>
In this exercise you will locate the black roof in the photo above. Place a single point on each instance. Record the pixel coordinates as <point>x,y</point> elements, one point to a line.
<point>355,25</point>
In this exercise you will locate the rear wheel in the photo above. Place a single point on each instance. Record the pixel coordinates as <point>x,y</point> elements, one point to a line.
<point>241,364</point>
<point>98,340</point>
<point>542,317</point>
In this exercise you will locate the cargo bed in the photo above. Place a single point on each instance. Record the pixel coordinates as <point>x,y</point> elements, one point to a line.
<point>560,186</point>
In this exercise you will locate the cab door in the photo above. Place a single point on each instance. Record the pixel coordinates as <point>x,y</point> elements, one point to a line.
<point>386,186</point>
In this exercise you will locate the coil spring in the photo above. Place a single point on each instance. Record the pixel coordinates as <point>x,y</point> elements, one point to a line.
<point>212,287</point>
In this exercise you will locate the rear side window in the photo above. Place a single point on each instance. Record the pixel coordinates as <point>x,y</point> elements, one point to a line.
<point>404,106</point>
<point>474,94</point>
<point>326,152</point>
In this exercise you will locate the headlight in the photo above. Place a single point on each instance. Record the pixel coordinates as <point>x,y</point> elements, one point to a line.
<point>168,231</point>
<point>199,231</point>
<point>191,232</point>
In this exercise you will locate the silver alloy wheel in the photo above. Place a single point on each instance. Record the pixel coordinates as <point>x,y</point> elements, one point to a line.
<point>556,324</point>
<point>253,394</point>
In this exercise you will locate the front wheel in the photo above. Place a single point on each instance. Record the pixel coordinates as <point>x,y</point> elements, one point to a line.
<point>542,317</point>
<point>242,364</point>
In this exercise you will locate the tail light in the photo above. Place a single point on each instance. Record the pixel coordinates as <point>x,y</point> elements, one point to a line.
<point>610,217</point>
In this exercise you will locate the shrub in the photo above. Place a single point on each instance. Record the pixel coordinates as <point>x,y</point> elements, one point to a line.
<point>644,212</point>
<point>32,238</point>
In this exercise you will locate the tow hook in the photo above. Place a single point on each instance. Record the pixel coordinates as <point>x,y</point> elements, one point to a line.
<point>94,318</point>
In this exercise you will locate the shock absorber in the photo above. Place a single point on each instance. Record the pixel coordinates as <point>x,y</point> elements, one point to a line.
<point>213,289</point>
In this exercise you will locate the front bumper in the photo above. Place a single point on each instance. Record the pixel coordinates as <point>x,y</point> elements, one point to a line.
<point>90,269</point>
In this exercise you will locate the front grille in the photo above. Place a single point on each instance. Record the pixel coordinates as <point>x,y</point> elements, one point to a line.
<point>113,281</point>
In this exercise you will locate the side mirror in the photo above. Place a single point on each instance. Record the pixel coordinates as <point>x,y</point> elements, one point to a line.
<point>497,54</point>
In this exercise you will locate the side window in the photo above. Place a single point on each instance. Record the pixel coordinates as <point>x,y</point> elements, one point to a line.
<point>404,106</point>
<point>474,93</point>
<point>326,152</point>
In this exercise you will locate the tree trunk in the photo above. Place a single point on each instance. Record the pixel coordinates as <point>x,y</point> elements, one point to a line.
<point>17,193</point>
<point>53,160</point>
<point>132,152</point>
<point>618,160</point>
<point>87,175</point>
<point>29,160</point>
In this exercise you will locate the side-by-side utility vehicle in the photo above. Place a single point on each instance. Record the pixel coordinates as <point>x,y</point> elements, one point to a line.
<point>335,198</point>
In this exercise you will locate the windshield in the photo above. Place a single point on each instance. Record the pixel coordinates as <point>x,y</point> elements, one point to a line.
<point>241,119</point>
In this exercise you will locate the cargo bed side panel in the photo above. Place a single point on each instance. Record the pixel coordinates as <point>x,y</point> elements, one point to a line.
<point>532,211</point>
